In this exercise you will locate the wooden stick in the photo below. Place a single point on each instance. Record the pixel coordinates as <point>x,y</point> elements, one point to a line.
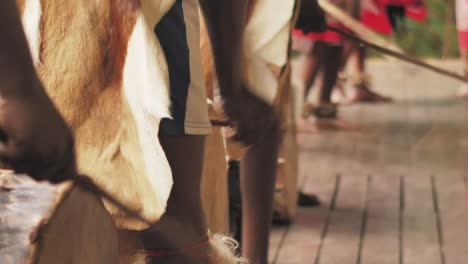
<point>401,56</point>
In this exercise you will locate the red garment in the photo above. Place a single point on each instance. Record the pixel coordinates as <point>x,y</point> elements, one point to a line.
<point>462,24</point>
<point>399,2</point>
<point>327,36</point>
<point>416,13</point>
<point>374,14</point>
<point>463,40</point>
<point>378,22</point>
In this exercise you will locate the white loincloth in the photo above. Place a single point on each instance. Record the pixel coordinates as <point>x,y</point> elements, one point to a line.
<point>266,43</point>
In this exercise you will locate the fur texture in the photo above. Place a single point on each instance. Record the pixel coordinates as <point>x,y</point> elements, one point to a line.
<point>31,10</point>
<point>222,248</point>
<point>105,71</point>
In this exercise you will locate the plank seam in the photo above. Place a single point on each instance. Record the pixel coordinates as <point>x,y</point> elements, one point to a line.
<point>331,208</point>
<point>280,244</point>
<point>438,220</point>
<point>401,219</point>
<point>365,214</point>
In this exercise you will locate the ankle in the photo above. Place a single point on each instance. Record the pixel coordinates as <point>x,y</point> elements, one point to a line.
<point>173,232</point>
<point>195,253</point>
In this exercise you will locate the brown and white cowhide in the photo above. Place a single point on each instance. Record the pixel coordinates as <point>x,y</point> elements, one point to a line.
<point>104,69</point>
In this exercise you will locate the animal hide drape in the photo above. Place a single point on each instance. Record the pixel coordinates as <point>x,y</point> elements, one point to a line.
<point>103,67</point>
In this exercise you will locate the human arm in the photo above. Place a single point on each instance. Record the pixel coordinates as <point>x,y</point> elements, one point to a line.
<point>34,138</point>
<point>250,117</point>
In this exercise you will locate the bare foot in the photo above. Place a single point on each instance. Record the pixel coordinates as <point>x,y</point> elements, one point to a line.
<point>215,249</point>
<point>322,110</point>
<point>364,94</point>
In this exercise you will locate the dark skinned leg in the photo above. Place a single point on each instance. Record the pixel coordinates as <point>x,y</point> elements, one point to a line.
<point>331,56</point>
<point>363,91</point>
<point>183,224</point>
<point>349,48</point>
<point>361,59</point>
<point>258,175</point>
<point>311,67</point>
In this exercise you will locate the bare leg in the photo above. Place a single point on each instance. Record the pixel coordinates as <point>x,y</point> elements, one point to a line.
<point>258,175</point>
<point>363,93</point>
<point>361,56</point>
<point>332,56</point>
<point>328,57</point>
<point>349,48</point>
<point>183,225</point>
<point>311,67</point>
<point>326,112</point>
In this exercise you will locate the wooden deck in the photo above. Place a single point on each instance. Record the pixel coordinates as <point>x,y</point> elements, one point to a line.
<point>393,192</point>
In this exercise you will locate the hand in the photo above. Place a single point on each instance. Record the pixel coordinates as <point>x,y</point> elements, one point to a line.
<point>311,17</point>
<point>250,117</point>
<point>34,139</point>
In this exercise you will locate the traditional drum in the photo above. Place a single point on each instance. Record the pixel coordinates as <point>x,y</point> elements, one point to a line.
<point>42,223</point>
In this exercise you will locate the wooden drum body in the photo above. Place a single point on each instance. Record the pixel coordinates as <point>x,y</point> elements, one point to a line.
<point>42,223</point>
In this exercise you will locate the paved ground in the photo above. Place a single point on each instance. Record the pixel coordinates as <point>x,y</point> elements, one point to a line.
<point>393,192</point>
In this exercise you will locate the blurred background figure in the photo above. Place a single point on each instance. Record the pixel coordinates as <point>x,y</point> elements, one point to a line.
<point>384,17</point>
<point>322,53</point>
<point>329,53</point>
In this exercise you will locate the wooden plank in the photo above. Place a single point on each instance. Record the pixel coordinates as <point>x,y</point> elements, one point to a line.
<point>278,233</point>
<point>453,211</point>
<point>420,231</point>
<point>342,241</point>
<point>381,242</point>
<point>423,134</point>
<point>303,240</point>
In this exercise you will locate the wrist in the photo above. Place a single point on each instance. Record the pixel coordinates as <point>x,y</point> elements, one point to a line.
<point>230,90</point>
